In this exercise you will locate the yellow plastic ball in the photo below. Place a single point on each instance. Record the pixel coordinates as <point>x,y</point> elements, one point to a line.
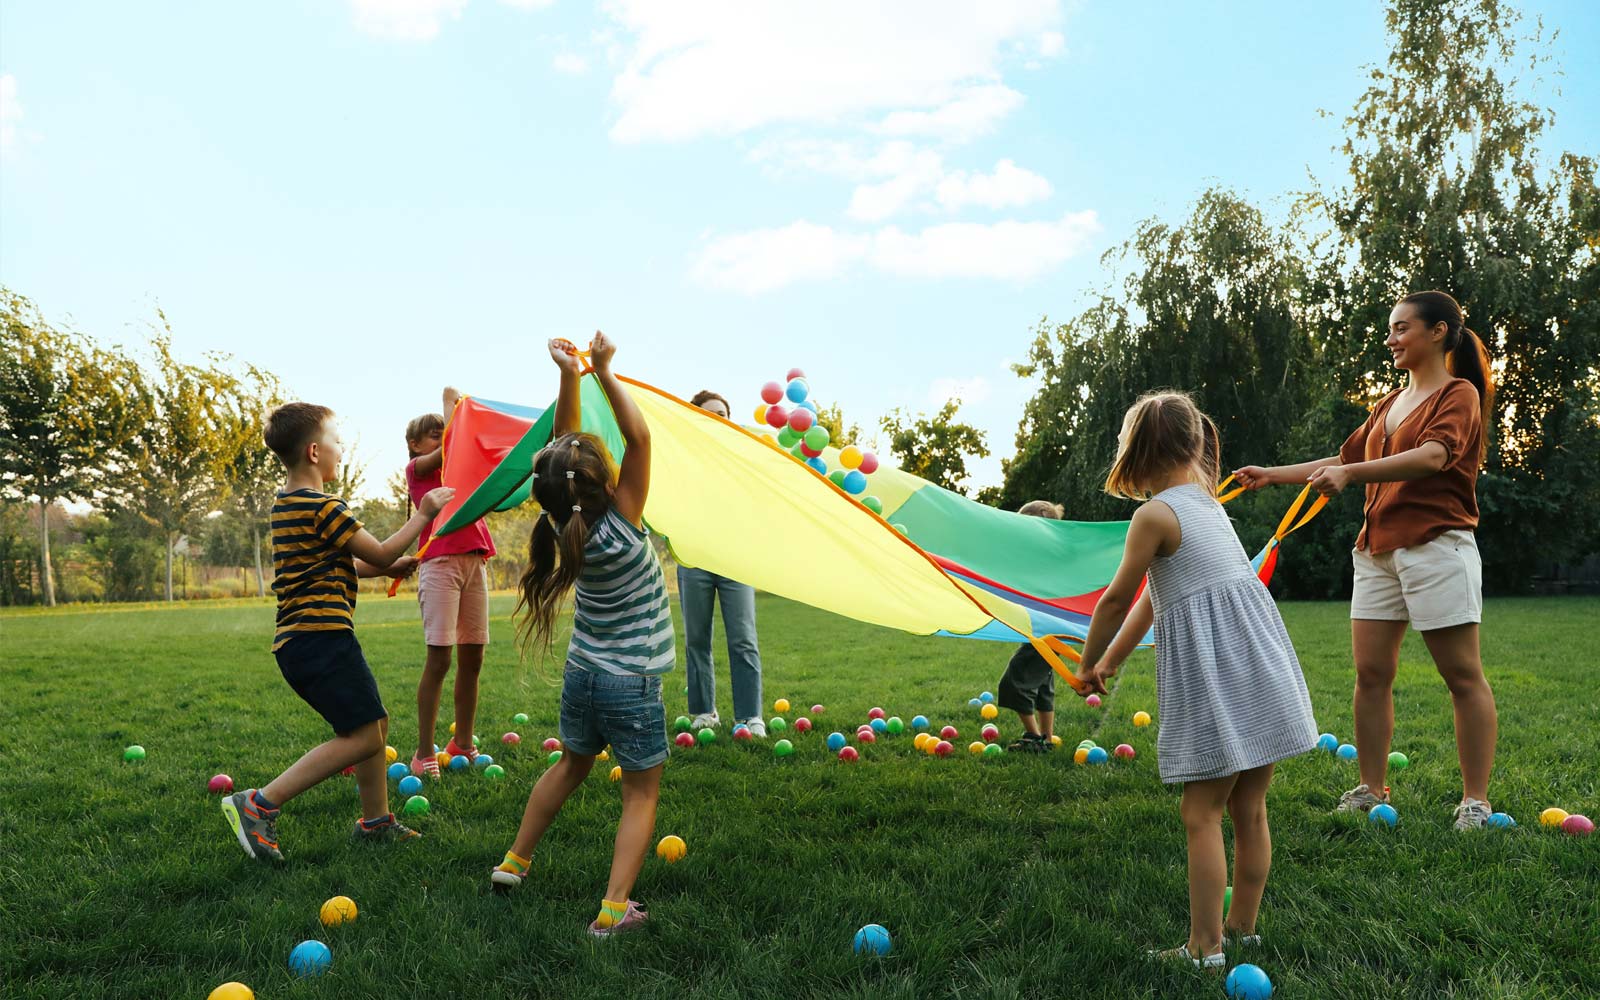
<point>1081,755</point>
<point>781,706</point>
<point>232,991</point>
<point>1553,817</point>
<point>602,755</point>
<point>1055,740</point>
<point>1141,718</point>
<point>930,746</point>
<point>616,773</point>
<point>850,457</point>
<point>975,746</point>
<point>443,759</point>
<point>761,416</point>
<point>452,729</point>
<point>921,739</point>
<point>338,910</point>
<point>988,711</point>
<point>390,755</point>
<point>671,849</point>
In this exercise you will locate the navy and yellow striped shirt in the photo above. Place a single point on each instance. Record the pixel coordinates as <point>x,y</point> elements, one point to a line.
<point>313,573</point>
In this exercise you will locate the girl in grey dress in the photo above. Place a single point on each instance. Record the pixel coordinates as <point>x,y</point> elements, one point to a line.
<point>1231,698</point>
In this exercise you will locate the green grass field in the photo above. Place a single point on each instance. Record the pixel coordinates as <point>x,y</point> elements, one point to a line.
<point>1020,876</point>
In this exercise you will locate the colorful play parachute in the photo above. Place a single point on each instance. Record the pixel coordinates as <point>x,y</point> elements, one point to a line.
<point>732,501</point>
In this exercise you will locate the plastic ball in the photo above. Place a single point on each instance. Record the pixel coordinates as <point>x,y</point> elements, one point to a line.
<point>459,763</point>
<point>802,725</point>
<point>866,735</point>
<point>801,419</point>
<point>837,742</point>
<point>975,747</point>
<point>761,412</point>
<point>849,754</point>
<point>797,390</point>
<point>410,785</point>
<point>390,755</point>
<point>1098,755</point>
<point>836,477</point>
<point>873,504</point>
<point>974,703</point>
<point>806,451</point>
<point>988,711</point>
<point>1577,826</point>
<point>681,724</point>
<point>671,849</point>
<point>1141,718</point>
<point>777,417</point>
<point>782,748</point>
<point>442,759</point>
<point>919,722</point>
<point>894,724</point>
<point>616,773</point>
<point>1347,751</point>
<point>310,958</point>
<point>520,719</point>
<point>743,734</point>
<point>993,750</point>
<point>880,726</point>
<point>551,743</point>
<point>220,784</point>
<point>789,437</point>
<point>1055,740</point>
<point>794,373</point>
<point>1553,817</point>
<point>135,752</point>
<point>415,806</point>
<point>1328,742</point>
<point>850,457</point>
<point>482,761</point>
<point>1093,701</point>
<point>869,463</point>
<point>1125,751</point>
<point>1080,755</point>
<point>777,724</point>
<point>771,393</point>
<point>684,739</point>
<point>555,755</point>
<point>948,733</point>
<point>817,709</point>
<point>817,437</point>
<point>398,770</point>
<point>1248,982</point>
<point>494,772</point>
<point>872,939</point>
<point>854,482</point>
<point>990,732</point>
<point>452,729</point>
<point>781,706</point>
<point>818,466</point>
<point>347,772</point>
<point>943,748</point>
<point>921,739</point>
<point>336,911</point>
<point>986,697</point>
<point>1502,821</point>
<point>1398,761</point>
<point>1087,745</point>
<point>877,713</point>
<point>707,736</point>
<point>510,739</point>
<point>232,991</point>
<point>900,528</point>
<point>1383,813</point>
<point>1227,901</point>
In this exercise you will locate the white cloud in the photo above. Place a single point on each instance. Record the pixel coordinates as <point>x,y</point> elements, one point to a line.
<point>1008,187</point>
<point>10,114</point>
<point>1052,43</point>
<point>405,20</point>
<point>570,63</point>
<point>762,260</point>
<point>528,4</point>
<point>708,67</point>
<point>910,171</point>
<point>970,391</point>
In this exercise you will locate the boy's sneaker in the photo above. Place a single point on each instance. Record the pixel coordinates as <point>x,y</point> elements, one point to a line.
<point>386,829</point>
<point>256,829</point>
<point>705,720</point>
<point>456,750</point>
<point>757,727</point>
<point>425,767</point>
<point>1361,799</point>
<point>632,919</point>
<point>1029,743</point>
<point>1472,814</point>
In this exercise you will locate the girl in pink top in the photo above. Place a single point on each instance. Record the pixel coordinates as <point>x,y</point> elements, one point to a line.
<point>453,589</point>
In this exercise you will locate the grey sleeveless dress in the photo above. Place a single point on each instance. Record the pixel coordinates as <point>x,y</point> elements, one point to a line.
<point>1227,681</point>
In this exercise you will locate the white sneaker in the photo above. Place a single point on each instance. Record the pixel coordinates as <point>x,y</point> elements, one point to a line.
<point>1472,814</point>
<point>757,727</point>
<point>1360,799</point>
<point>1181,954</point>
<point>705,720</point>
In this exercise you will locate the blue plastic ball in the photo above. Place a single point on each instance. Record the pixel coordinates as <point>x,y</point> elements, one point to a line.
<point>459,762</point>
<point>919,722</point>
<point>872,939</point>
<point>1328,742</point>
<point>436,749</point>
<point>310,958</point>
<point>822,469</point>
<point>1502,821</point>
<point>880,726</point>
<point>1383,813</point>
<point>1347,751</point>
<point>974,703</point>
<point>1248,982</point>
<point>797,390</point>
<point>398,770</point>
<point>410,785</point>
<point>986,697</point>
<point>836,742</point>
<point>807,404</point>
<point>483,761</point>
<point>1098,755</point>
<point>855,482</point>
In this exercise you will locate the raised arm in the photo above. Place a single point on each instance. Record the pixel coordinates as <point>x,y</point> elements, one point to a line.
<point>382,555</point>
<point>569,412</point>
<point>633,481</point>
<point>1253,477</point>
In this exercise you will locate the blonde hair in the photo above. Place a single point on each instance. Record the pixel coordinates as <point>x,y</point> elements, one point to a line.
<point>421,427</point>
<point>1161,432</point>
<point>1043,508</point>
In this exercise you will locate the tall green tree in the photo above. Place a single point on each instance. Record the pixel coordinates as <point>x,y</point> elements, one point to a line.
<point>68,414</point>
<point>252,472</point>
<point>935,448</point>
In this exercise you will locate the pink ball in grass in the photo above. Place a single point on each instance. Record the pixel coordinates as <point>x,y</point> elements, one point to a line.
<point>869,463</point>
<point>220,785</point>
<point>849,754</point>
<point>802,725</point>
<point>777,417</point>
<point>1577,826</point>
<point>771,392</point>
<point>510,739</point>
<point>876,713</point>
<point>347,772</point>
<point>684,739</point>
<point>865,735</point>
<point>552,744</point>
<point>949,733</point>
<point>990,733</point>
<point>816,709</point>
<point>1093,701</point>
<point>1125,751</point>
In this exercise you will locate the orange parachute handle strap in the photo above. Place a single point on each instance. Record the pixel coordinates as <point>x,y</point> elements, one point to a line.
<point>444,456</point>
<point>582,356</point>
<point>1284,526</point>
<point>1225,497</point>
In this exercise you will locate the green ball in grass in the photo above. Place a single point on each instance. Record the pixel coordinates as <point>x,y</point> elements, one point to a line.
<point>873,504</point>
<point>494,772</point>
<point>993,750</point>
<point>707,736</point>
<point>1398,761</point>
<point>682,724</point>
<point>521,718</point>
<point>896,725</point>
<point>135,752</point>
<point>555,755</point>
<point>782,748</point>
<point>415,806</point>
<point>776,724</point>
<point>1086,745</point>
<point>1227,901</point>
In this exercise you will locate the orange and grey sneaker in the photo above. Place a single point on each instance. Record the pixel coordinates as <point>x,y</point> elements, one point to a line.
<point>254,822</point>
<point>454,749</point>
<point>425,767</point>
<point>384,828</point>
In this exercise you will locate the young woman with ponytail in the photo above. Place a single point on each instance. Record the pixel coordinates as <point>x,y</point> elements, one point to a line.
<point>590,538</point>
<point>1416,560</point>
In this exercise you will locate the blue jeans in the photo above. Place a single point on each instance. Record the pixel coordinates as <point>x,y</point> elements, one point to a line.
<point>699,590</point>
<point>623,710</point>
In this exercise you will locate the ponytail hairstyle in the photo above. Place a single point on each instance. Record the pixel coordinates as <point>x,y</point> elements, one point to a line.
<point>421,427</point>
<point>572,481</point>
<point>1161,432</point>
<point>1465,355</point>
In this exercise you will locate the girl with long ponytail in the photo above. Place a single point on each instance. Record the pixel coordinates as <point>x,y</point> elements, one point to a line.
<point>1416,559</point>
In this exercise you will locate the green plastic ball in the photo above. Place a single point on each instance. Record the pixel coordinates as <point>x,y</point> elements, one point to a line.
<point>900,528</point>
<point>707,736</point>
<point>817,437</point>
<point>782,748</point>
<point>415,806</point>
<point>681,724</point>
<point>896,725</point>
<point>873,504</point>
<point>777,724</point>
<point>135,752</point>
<point>1227,901</point>
<point>1398,761</point>
<point>521,718</point>
<point>494,772</point>
<point>474,739</point>
<point>1086,745</point>
<point>993,750</point>
<point>788,437</point>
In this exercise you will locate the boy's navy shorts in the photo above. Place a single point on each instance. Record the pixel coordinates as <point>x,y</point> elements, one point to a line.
<point>328,671</point>
<point>1029,683</point>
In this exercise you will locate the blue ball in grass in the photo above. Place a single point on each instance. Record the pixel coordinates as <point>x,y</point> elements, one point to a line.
<point>919,722</point>
<point>1248,982</point>
<point>398,770</point>
<point>310,958</point>
<point>1383,813</point>
<point>483,760</point>
<point>1098,755</point>
<point>459,762</point>
<point>410,785</point>
<point>880,726</point>
<point>986,697</point>
<point>1502,821</point>
<point>1347,751</point>
<point>836,742</point>
<point>872,939</point>
<point>973,703</point>
<point>1328,742</point>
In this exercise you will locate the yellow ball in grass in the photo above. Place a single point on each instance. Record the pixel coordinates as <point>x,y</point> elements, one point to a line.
<point>616,773</point>
<point>1553,817</point>
<point>602,755</point>
<point>232,991</point>
<point>930,746</point>
<point>671,849</point>
<point>975,746</point>
<point>1080,755</point>
<point>1141,718</point>
<point>921,739</point>
<point>390,755</point>
<point>452,729</point>
<point>338,910</point>
<point>1055,740</point>
<point>443,759</point>
<point>988,711</point>
<point>781,706</point>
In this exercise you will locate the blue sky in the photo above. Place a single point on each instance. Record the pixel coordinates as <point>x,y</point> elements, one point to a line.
<point>375,197</point>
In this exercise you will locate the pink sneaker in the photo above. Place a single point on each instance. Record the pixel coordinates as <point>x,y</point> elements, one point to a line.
<point>453,749</point>
<point>632,919</point>
<point>425,767</point>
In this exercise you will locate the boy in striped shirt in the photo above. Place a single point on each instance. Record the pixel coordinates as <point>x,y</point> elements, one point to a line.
<point>318,551</point>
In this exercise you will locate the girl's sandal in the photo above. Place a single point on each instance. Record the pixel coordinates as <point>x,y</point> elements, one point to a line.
<point>1217,961</point>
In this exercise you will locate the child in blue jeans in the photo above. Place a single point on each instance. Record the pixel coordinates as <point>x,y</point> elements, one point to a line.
<point>590,537</point>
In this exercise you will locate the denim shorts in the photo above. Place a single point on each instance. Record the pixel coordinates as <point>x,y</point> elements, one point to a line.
<point>623,710</point>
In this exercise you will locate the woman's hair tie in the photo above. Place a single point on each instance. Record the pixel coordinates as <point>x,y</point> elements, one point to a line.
<point>576,508</point>
<point>571,474</point>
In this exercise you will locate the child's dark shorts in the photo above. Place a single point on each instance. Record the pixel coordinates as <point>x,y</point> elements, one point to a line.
<point>1029,683</point>
<point>328,671</point>
<point>623,710</point>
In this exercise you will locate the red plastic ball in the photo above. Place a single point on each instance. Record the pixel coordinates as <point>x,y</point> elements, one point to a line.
<point>220,785</point>
<point>867,736</point>
<point>991,733</point>
<point>943,748</point>
<point>876,713</point>
<point>1124,750</point>
<point>510,739</point>
<point>684,739</point>
<point>794,373</point>
<point>949,733</point>
<point>777,416</point>
<point>772,392</point>
<point>869,463</point>
<point>849,754</point>
<point>808,451</point>
<point>800,419</point>
<point>743,735</point>
<point>552,744</point>
<point>347,772</point>
<point>816,709</point>
<point>802,725</point>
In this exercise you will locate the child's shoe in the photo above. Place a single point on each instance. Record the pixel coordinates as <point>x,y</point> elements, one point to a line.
<point>1473,814</point>
<point>757,727</point>
<point>632,919</point>
<point>509,873</point>
<point>1029,743</point>
<point>384,828</point>
<point>705,720</point>
<point>425,767</point>
<point>1181,953</point>
<point>256,827</point>
<point>1232,940</point>
<point>1360,799</point>
<point>456,750</point>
